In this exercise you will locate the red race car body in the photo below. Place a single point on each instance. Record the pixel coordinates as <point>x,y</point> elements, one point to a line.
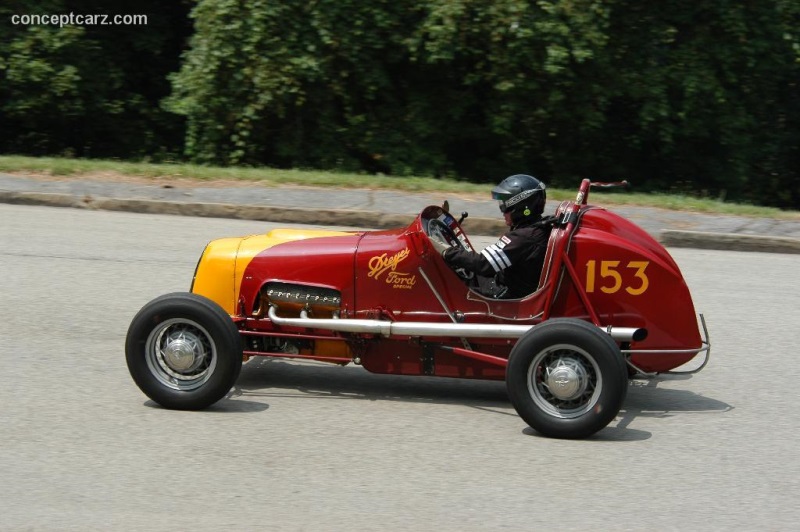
<point>611,303</point>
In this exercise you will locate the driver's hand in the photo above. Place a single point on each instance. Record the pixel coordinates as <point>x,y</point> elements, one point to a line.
<point>439,246</point>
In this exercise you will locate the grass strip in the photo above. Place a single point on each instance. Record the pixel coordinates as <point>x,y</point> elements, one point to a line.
<point>114,169</point>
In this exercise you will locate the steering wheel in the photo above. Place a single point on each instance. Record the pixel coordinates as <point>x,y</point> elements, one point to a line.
<point>441,231</point>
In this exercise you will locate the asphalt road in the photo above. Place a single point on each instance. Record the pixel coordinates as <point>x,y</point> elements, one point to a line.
<point>305,447</point>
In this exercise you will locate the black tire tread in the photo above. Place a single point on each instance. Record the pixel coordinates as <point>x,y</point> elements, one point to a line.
<point>218,324</point>
<point>593,340</point>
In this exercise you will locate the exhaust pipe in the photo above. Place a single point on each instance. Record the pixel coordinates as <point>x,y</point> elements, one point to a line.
<point>456,330</point>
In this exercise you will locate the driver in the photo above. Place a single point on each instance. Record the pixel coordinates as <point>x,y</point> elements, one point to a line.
<point>509,268</point>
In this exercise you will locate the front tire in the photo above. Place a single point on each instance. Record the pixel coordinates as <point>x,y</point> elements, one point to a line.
<point>183,351</point>
<point>566,378</point>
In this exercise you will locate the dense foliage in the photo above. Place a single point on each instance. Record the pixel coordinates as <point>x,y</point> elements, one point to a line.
<point>90,90</point>
<point>693,96</point>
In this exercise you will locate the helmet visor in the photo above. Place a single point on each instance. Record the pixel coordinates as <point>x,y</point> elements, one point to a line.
<point>502,196</point>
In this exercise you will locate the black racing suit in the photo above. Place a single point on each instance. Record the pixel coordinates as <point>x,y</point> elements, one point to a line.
<point>510,268</point>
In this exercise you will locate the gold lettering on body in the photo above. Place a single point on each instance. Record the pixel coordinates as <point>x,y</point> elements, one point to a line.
<point>401,280</point>
<point>381,263</point>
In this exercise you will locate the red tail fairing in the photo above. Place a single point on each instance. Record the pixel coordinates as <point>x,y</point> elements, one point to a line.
<point>630,280</point>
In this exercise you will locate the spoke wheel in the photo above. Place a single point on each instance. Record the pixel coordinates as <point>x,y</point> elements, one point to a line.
<point>564,381</point>
<point>183,351</point>
<point>181,354</point>
<point>566,378</point>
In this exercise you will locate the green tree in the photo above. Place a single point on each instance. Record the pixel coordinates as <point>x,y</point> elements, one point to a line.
<point>89,90</point>
<point>438,87</point>
<point>527,72</point>
<point>682,95</point>
<point>699,92</point>
<point>296,83</point>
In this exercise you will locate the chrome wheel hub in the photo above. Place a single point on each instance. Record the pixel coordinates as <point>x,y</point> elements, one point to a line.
<point>566,379</point>
<point>181,354</point>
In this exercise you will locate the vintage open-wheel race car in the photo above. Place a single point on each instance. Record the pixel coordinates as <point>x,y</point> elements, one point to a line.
<point>611,304</point>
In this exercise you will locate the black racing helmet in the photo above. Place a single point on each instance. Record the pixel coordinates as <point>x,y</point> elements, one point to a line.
<point>522,195</point>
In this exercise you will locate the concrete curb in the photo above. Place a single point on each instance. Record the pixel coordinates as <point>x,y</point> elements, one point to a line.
<point>371,219</point>
<point>729,242</point>
<point>341,217</point>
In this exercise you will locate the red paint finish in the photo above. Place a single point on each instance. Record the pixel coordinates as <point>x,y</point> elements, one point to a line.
<point>633,282</point>
<point>599,267</point>
<point>322,262</point>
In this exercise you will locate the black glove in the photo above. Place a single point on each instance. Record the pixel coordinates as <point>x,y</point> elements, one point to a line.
<point>439,246</point>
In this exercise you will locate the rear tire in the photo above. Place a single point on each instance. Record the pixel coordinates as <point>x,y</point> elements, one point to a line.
<point>183,351</point>
<point>566,378</point>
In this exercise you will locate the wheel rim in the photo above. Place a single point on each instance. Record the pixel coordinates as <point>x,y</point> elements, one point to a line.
<point>181,354</point>
<point>564,381</point>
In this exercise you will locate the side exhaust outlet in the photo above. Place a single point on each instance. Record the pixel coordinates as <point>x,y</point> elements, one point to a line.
<point>455,330</point>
